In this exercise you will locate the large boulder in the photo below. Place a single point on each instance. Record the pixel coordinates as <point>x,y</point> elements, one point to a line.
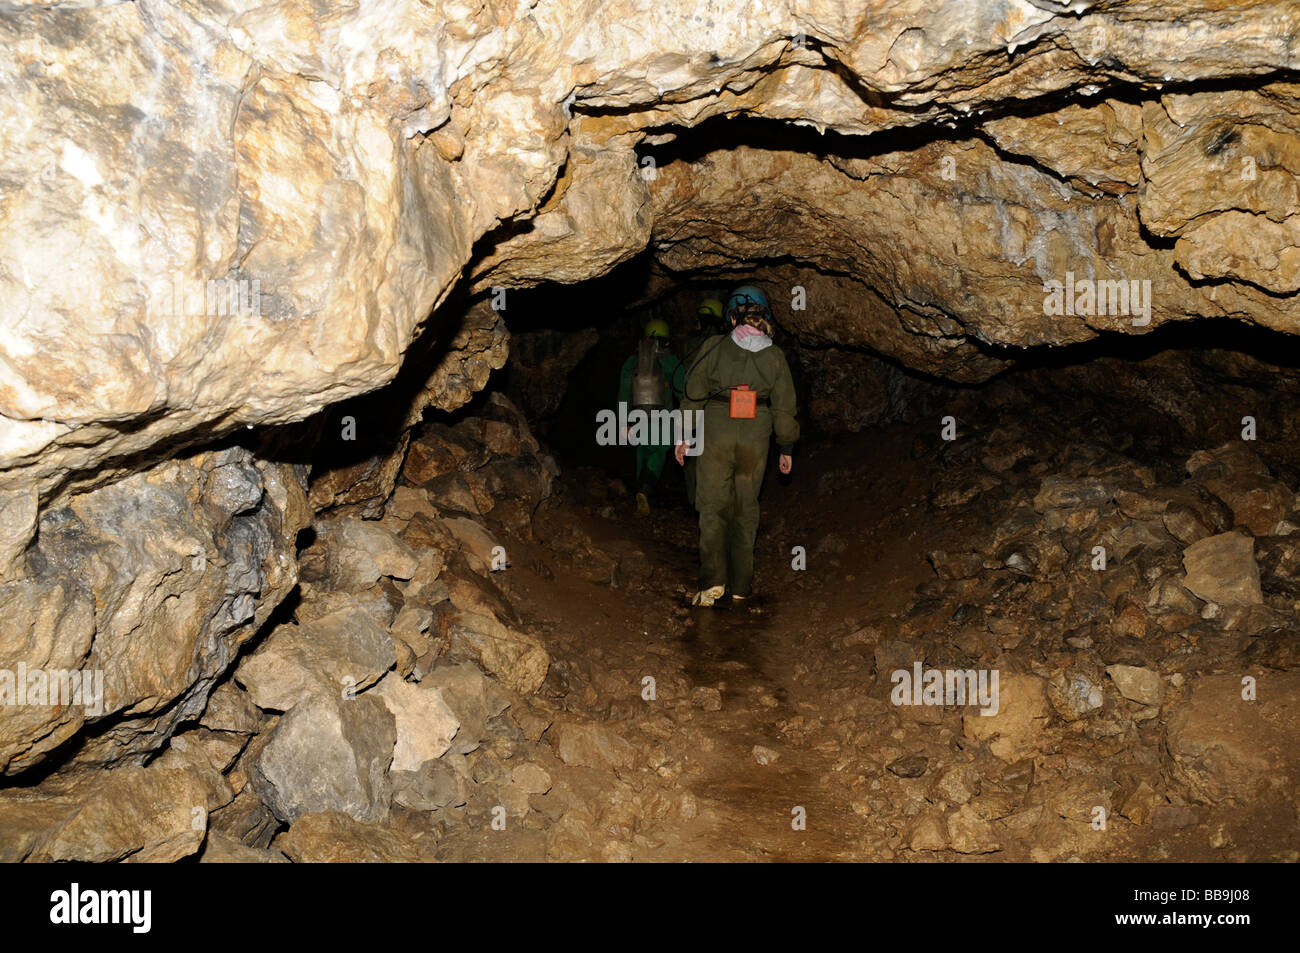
<point>473,699</point>
<point>345,650</point>
<point>587,744</point>
<point>354,554</point>
<point>328,754</point>
<point>484,550</point>
<point>364,485</point>
<point>222,849</point>
<point>1235,474</point>
<point>515,657</point>
<point>1222,569</point>
<point>482,627</point>
<point>425,724</point>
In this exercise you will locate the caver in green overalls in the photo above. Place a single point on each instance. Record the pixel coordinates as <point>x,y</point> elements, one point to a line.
<point>650,457</point>
<point>730,469</point>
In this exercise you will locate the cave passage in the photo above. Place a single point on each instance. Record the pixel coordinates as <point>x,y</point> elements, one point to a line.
<point>1076,542</point>
<point>338,567</point>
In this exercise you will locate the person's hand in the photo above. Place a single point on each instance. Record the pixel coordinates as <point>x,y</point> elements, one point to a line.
<point>785,463</point>
<point>680,453</point>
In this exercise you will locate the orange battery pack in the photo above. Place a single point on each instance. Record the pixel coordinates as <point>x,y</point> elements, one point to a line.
<point>744,403</point>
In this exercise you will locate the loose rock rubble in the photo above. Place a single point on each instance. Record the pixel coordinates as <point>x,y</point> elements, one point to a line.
<point>1123,606</point>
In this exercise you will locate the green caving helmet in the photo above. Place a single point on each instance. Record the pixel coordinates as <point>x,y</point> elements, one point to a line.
<point>657,328</point>
<point>710,309</point>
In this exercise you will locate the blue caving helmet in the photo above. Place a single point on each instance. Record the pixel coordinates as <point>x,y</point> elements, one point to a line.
<point>747,294</point>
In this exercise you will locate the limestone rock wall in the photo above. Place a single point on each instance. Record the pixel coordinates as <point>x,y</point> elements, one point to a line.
<point>335,169</point>
<point>145,590</point>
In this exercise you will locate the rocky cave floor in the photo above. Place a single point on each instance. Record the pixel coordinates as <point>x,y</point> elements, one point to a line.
<point>571,706</point>
<point>804,673</point>
<point>800,680</point>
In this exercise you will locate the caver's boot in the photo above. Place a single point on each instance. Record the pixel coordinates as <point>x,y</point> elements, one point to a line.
<point>642,504</point>
<point>707,597</point>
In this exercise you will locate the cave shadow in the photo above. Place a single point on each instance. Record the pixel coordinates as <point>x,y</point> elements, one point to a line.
<point>1221,334</point>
